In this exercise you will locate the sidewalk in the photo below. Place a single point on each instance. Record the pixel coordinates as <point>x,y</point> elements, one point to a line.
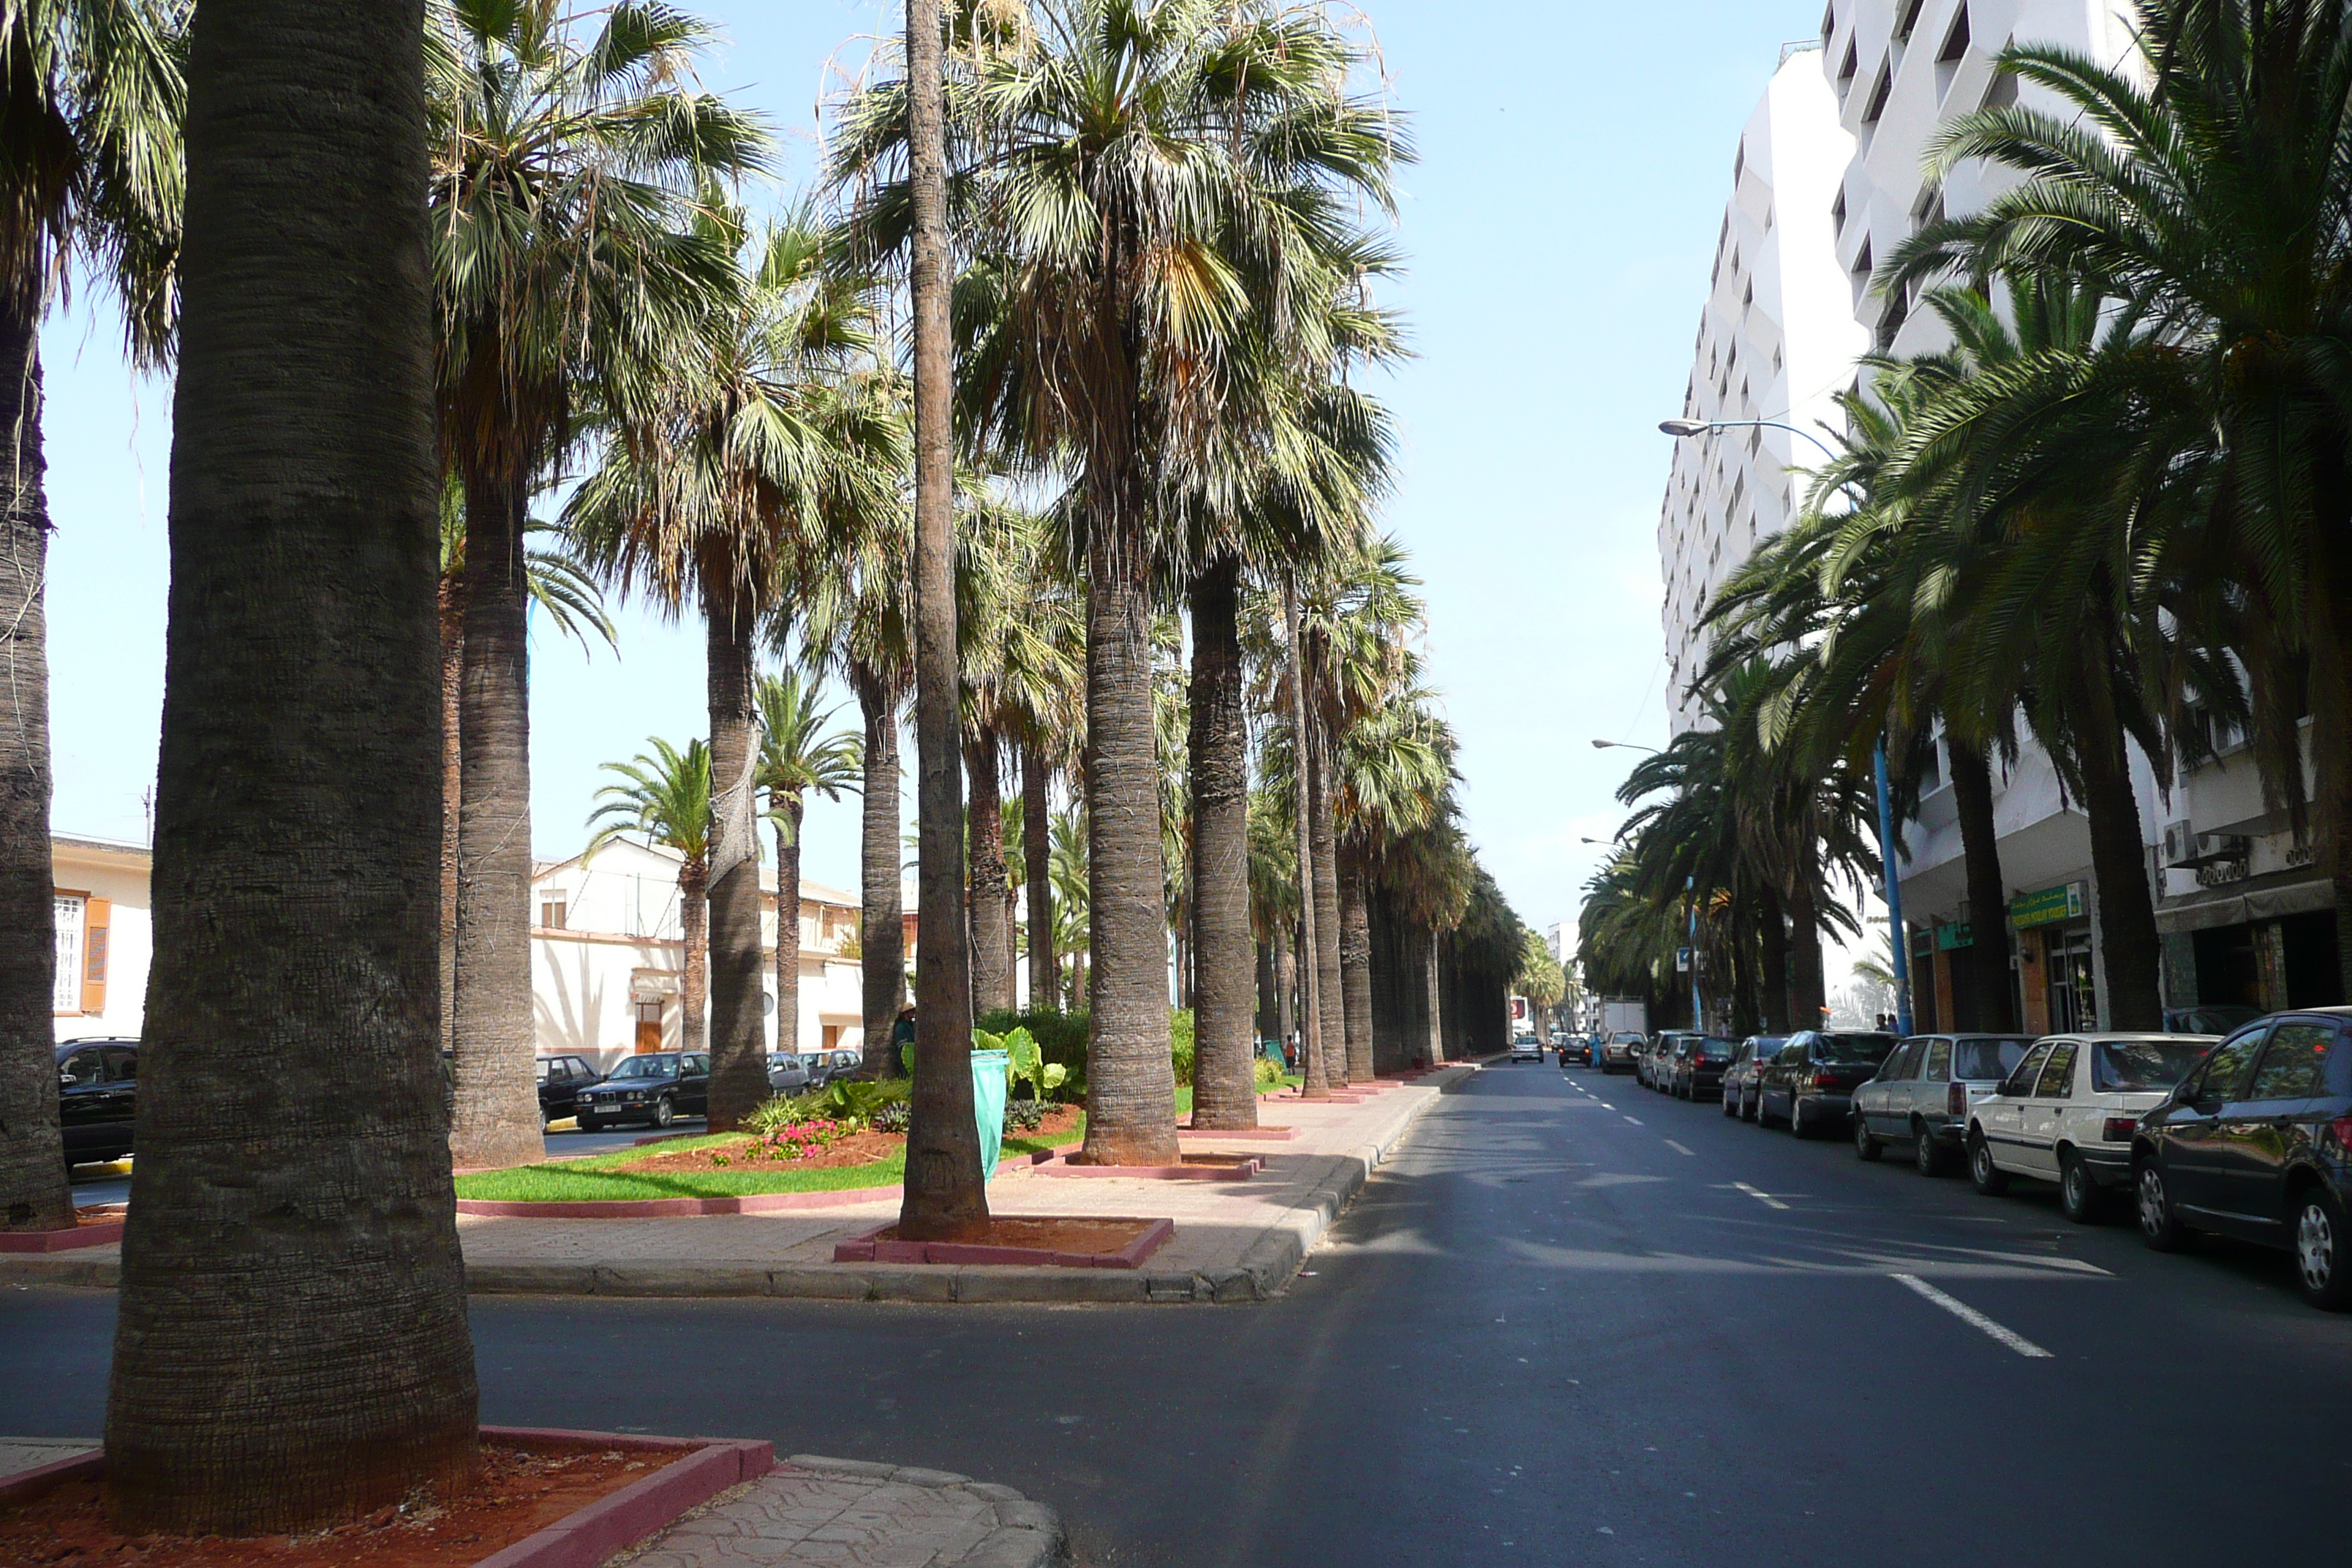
<point>1235,1241</point>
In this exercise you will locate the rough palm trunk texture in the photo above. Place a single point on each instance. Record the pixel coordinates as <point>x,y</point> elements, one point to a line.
<point>1988,978</point>
<point>739,1064</point>
<point>991,974</point>
<point>1312,997</point>
<point>1224,1085</point>
<point>694,979</point>
<point>1775,984</point>
<point>1436,1012</point>
<point>1285,987</point>
<point>1808,996</point>
<point>290,1345</point>
<point>881,925</point>
<point>34,1193</point>
<point>1037,875</point>
<point>946,1196</point>
<point>2129,944</point>
<point>451,600</point>
<point>495,1116</point>
<point>788,920</point>
<point>1356,965</point>
<point>1330,986</point>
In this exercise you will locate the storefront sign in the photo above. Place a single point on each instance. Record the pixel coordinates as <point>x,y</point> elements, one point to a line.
<point>1952,938</point>
<point>2047,907</point>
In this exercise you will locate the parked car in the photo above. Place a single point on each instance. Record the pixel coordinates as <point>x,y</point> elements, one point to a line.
<point>1698,1066</point>
<point>2209,1018</point>
<point>1748,1059</point>
<point>818,1064</point>
<point>2256,1142</point>
<point>845,1064</point>
<point>1652,1070</point>
<point>1923,1091</point>
<point>1811,1080</point>
<point>1526,1048</point>
<point>1622,1052</point>
<point>788,1072</point>
<point>97,1097</point>
<point>560,1079</point>
<point>656,1088</point>
<point>2069,1110</point>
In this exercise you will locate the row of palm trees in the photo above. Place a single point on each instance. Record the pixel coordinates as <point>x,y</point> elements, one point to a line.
<point>2114,512</point>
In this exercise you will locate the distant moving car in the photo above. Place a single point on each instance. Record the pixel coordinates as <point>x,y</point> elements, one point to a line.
<point>1748,1059</point>
<point>788,1072</point>
<point>1924,1091</point>
<point>656,1088</point>
<point>560,1079</point>
<point>97,1097</point>
<point>2256,1142</point>
<point>1621,1051</point>
<point>1699,1067</point>
<point>2070,1110</point>
<point>1526,1048</point>
<point>1811,1081</point>
<point>2209,1018</point>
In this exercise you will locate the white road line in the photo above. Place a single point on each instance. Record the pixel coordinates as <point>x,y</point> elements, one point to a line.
<point>1971,1317</point>
<point>1767,1199</point>
<point>1634,1120</point>
<point>1606,1106</point>
<point>1680,1149</point>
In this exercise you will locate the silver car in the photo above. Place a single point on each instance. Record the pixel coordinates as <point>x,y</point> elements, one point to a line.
<point>1924,1091</point>
<point>787,1073</point>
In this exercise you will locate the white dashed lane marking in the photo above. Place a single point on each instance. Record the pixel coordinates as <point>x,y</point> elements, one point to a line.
<point>1970,1315</point>
<point>1680,1149</point>
<point>1634,1120</point>
<point>1767,1199</point>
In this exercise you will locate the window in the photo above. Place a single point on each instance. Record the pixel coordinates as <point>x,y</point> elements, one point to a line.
<point>2141,1067</point>
<point>122,1063</point>
<point>2019,1081</point>
<point>1904,1063</point>
<point>1877,106</point>
<point>2295,1067</point>
<point>1955,42</point>
<point>1939,1061</point>
<point>552,913</point>
<point>2225,1073</point>
<point>1981,1060</point>
<point>65,991</point>
<point>83,1068</point>
<point>1837,212</point>
<point>2057,1080</point>
<point>1909,22</point>
<point>1829,24</point>
<point>1852,63</point>
<point>1862,265</point>
<point>1891,320</point>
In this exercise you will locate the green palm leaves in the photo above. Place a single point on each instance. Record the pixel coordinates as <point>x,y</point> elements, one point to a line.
<point>799,755</point>
<point>664,796</point>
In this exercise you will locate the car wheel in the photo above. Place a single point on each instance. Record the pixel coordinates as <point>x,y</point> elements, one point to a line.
<point>664,1112</point>
<point>1750,1110</point>
<point>1989,1179</point>
<point>2319,1265</point>
<point>2158,1225</point>
<point>1730,1106</point>
<point>1926,1151</point>
<point>1797,1126</point>
<point>2078,1194</point>
<point>1864,1145</point>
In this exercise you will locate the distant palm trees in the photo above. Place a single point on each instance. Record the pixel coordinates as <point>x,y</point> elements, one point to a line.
<point>666,796</point>
<point>799,756</point>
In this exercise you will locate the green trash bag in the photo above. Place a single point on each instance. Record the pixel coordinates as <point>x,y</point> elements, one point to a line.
<point>989,1075</point>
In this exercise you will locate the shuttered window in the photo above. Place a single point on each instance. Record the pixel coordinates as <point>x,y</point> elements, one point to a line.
<point>65,991</point>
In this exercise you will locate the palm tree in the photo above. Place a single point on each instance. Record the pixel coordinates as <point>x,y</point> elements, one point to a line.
<point>1124,156</point>
<point>576,246</point>
<point>299,1248</point>
<point>797,758</point>
<point>665,797</point>
<point>93,104</point>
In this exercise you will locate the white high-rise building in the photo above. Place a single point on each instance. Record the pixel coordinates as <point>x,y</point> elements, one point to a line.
<point>1777,342</point>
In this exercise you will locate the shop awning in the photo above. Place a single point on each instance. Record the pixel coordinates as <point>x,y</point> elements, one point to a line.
<point>2246,902</point>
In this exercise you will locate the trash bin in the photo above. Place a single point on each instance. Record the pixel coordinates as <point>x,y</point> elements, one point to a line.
<point>991,1072</point>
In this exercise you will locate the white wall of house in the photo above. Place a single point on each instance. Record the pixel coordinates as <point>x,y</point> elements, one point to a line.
<point>105,936</point>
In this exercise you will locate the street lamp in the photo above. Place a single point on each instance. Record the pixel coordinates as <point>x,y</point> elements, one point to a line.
<point>1681,430</point>
<point>1623,746</point>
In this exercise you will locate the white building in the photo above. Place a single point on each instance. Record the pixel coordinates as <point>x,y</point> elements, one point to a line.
<point>1777,342</point>
<point>608,957</point>
<point>105,935</point>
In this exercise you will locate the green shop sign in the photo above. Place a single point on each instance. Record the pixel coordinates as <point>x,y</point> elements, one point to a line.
<point>1952,938</point>
<point>2047,907</point>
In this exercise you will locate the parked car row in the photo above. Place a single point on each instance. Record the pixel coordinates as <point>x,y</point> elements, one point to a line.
<point>2247,1134</point>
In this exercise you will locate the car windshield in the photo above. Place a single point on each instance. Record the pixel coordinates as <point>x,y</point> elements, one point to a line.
<point>1715,1047</point>
<point>1871,1049</point>
<point>2220,1019</point>
<point>1986,1058</point>
<point>2141,1067</point>
<point>648,1066</point>
<point>1627,1038</point>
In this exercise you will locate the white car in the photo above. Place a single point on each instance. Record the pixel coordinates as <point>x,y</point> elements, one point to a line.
<point>1526,1048</point>
<point>2066,1113</point>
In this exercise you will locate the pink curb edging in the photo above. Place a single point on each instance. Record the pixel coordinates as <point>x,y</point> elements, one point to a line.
<point>29,1484</point>
<point>1253,1134</point>
<point>103,1235</point>
<point>1240,1173</point>
<point>866,1247</point>
<point>688,1208</point>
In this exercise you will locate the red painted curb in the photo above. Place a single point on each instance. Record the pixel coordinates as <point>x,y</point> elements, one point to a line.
<point>28,1484</point>
<point>1240,1172</point>
<point>868,1248</point>
<point>1257,1134</point>
<point>104,1235</point>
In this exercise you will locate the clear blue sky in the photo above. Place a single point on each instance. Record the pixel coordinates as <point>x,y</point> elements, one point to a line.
<point>1575,159</point>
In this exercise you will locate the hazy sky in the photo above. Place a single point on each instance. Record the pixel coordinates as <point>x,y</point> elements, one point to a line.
<point>1575,157</point>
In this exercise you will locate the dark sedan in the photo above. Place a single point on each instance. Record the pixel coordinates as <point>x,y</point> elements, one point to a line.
<point>97,1097</point>
<point>1748,1063</point>
<point>656,1088</point>
<point>1810,1082</point>
<point>560,1079</point>
<point>1699,1067</point>
<point>2256,1142</point>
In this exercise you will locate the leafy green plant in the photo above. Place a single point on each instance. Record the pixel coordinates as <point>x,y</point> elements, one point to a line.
<point>1024,1061</point>
<point>1180,1043</point>
<point>1268,1073</point>
<point>1061,1042</point>
<point>851,1102</point>
<point>894,1116</point>
<point>1024,1116</point>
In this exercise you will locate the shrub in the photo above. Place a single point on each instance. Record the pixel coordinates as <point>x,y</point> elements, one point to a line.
<point>1268,1073</point>
<point>1180,1043</point>
<point>891,1118</point>
<point>851,1103</point>
<point>1061,1041</point>
<point>1024,1116</point>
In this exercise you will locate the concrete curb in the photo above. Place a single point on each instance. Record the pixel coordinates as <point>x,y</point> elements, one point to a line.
<point>105,1233</point>
<point>1028,1534</point>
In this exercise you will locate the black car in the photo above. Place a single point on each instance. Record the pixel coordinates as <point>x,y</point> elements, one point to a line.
<point>1698,1069</point>
<point>1811,1081</point>
<point>560,1079</point>
<point>656,1088</point>
<point>2256,1142</point>
<point>97,1097</point>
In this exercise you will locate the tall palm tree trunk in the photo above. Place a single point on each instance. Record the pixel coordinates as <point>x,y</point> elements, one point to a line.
<point>788,918</point>
<point>1314,1072</point>
<point>694,926</point>
<point>451,606</point>
<point>1807,994</point>
<point>1772,986</point>
<point>495,1115</point>
<point>290,1344</point>
<point>739,1065</point>
<point>1224,1085</point>
<point>1036,877</point>
<point>1329,986</point>
<point>2128,943</point>
<point>1130,1079</point>
<point>1356,964</point>
<point>1434,1013</point>
<point>946,1196</point>
<point>1989,980</point>
<point>991,972</point>
<point>34,1192</point>
<point>881,923</point>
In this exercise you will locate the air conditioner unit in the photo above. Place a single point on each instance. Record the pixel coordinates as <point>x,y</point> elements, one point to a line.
<point>2179,845</point>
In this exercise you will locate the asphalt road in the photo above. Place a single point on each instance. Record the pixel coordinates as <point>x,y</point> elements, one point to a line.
<point>1571,1323</point>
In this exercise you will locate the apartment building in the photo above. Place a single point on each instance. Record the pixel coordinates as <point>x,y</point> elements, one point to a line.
<point>104,936</point>
<point>1777,341</point>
